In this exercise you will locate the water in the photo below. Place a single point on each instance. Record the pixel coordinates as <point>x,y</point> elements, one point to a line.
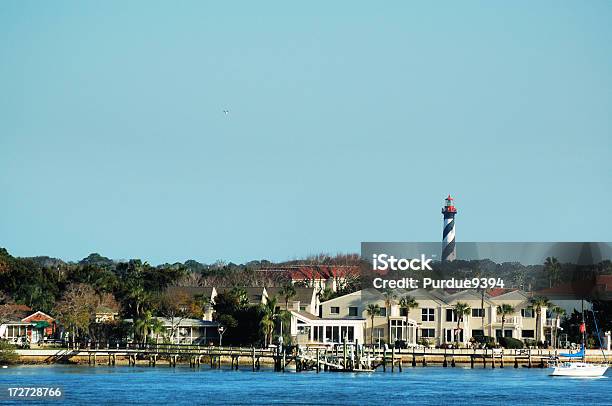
<point>431,385</point>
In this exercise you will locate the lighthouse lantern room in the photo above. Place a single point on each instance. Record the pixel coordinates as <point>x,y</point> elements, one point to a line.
<point>448,234</point>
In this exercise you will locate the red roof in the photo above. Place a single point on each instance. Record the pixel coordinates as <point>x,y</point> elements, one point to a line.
<point>38,316</point>
<point>310,272</point>
<point>499,291</point>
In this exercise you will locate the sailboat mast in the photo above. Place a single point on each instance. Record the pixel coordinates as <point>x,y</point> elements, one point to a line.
<point>583,329</point>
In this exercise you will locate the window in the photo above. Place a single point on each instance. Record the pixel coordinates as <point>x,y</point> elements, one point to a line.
<point>507,333</point>
<point>528,334</point>
<point>477,333</point>
<point>383,312</point>
<point>527,313</point>
<point>398,330</point>
<point>452,335</point>
<point>428,332</point>
<point>451,315</point>
<point>403,312</point>
<point>478,312</point>
<point>334,310</point>
<point>353,311</point>
<point>427,314</point>
<point>303,308</point>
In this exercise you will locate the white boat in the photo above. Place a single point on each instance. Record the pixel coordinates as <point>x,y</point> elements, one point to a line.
<point>579,369</point>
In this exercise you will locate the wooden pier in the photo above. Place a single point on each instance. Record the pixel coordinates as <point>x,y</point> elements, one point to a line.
<point>345,357</point>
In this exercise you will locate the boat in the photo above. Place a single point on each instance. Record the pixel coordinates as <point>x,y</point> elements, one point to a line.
<point>579,369</point>
<point>582,368</point>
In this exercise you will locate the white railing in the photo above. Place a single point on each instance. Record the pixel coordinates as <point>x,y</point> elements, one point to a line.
<point>509,320</point>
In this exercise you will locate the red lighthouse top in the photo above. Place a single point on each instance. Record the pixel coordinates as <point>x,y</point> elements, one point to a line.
<point>449,207</point>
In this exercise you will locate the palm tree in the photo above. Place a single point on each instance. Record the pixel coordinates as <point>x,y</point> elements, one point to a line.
<point>156,326</point>
<point>461,310</point>
<point>552,267</point>
<point>372,310</point>
<point>142,326</point>
<point>390,298</point>
<point>538,303</point>
<point>504,310</point>
<point>558,312</point>
<point>408,302</point>
<point>270,314</point>
<point>287,292</point>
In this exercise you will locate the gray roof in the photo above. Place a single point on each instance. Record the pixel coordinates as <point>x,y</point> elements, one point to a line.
<point>303,295</point>
<point>183,323</point>
<point>254,293</point>
<point>190,290</point>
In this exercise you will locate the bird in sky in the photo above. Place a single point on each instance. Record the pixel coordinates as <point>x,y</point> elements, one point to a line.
<point>226,112</point>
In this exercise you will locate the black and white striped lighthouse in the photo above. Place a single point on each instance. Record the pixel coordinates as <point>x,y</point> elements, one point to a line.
<point>449,252</point>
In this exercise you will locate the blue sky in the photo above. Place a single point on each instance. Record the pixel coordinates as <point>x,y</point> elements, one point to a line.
<point>349,121</point>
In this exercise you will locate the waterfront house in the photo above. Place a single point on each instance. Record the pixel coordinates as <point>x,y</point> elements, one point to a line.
<point>354,306</point>
<point>33,328</point>
<point>185,331</point>
<point>434,321</point>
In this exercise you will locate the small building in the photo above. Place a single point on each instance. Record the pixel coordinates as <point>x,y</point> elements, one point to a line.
<point>105,315</point>
<point>185,331</point>
<point>34,328</point>
<point>307,328</point>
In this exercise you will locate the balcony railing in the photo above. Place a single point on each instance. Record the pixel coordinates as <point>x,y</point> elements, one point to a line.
<point>509,319</point>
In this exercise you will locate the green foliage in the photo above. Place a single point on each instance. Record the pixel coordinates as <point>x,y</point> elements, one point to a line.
<point>530,343</point>
<point>27,282</point>
<point>8,355</point>
<point>425,342</point>
<point>242,322</point>
<point>485,341</point>
<point>509,342</point>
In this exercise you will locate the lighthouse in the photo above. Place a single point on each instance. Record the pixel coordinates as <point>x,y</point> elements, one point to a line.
<point>448,234</point>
